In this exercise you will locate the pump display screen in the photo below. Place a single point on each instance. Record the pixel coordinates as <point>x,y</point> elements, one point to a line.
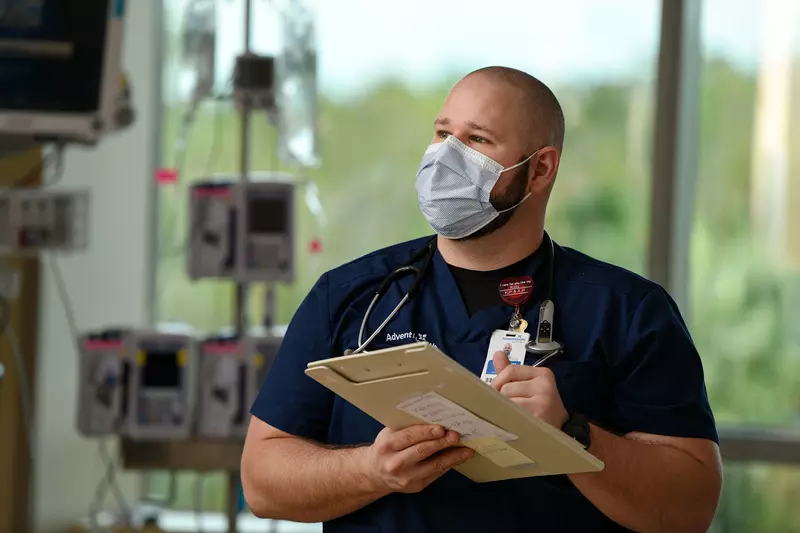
<point>268,215</point>
<point>51,54</point>
<point>161,370</point>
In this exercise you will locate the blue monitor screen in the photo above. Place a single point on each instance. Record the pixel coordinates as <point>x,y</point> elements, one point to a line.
<point>51,54</point>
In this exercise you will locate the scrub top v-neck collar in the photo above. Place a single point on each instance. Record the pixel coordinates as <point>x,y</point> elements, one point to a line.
<point>465,328</point>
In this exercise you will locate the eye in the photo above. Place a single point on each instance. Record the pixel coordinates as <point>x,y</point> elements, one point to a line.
<point>442,134</point>
<point>478,139</point>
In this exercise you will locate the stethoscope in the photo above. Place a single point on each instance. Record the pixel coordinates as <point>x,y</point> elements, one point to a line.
<point>544,347</point>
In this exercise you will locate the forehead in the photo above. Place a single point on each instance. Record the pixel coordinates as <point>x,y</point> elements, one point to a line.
<point>485,102</point>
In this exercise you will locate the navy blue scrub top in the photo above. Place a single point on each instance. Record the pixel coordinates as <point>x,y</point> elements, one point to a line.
<point>629,365</point>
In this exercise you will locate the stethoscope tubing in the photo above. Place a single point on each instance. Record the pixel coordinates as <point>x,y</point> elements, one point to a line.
<point>419,272</point>
<point>363,345</point>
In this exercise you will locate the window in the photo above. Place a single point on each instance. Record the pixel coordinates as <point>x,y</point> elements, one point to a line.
<point>385,69</point>
<point>745,267</point>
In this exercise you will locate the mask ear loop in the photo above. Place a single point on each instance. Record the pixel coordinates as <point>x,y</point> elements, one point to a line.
<point>512,168</point>
<point>515,205</point>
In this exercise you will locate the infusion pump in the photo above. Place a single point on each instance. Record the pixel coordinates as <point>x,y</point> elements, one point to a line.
<point>231,373</point>
<point>36,219</point>
<point>155,385</point>
<point>161,387</point>
<point>243,231</point>
<point>136,383</point>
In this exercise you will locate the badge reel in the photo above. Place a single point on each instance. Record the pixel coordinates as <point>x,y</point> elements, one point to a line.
<point>512,342</point>
<point>544,347</point>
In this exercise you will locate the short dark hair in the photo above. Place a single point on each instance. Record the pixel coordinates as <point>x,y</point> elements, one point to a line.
<point>542,111</point>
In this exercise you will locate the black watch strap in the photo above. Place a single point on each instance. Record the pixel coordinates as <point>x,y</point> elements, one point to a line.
<point>577,427</point>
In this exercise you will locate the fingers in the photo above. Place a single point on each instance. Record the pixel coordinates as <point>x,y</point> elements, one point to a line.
<point>424,450</point>
<point>520,373</point>
<point>439,464</point>
<point>405,438</point>
<point>501,362</point>
<point>518,389</point>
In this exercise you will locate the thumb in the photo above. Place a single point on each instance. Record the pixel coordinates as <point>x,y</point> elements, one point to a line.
<point>500,361</point>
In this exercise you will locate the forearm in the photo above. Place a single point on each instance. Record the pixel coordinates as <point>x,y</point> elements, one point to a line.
<point>293,479</point>
<point>650,488</point>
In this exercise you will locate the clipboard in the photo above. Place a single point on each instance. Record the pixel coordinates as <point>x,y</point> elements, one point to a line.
<point>380,381</point>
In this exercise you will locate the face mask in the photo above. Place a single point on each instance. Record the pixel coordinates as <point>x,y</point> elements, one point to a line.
<point>453,187</point>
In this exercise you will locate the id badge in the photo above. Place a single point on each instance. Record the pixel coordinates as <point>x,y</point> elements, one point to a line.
<point>512,343</point>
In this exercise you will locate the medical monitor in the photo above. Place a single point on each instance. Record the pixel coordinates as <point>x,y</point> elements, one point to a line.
<point>60,75</point>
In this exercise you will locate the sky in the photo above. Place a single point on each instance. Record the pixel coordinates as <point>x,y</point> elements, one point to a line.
<point>559,41</point>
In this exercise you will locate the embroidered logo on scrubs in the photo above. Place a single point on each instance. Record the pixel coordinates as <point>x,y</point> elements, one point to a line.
<point>408,336</point>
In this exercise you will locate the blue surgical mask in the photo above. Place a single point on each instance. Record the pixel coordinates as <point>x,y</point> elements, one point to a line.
<point>454,182</point>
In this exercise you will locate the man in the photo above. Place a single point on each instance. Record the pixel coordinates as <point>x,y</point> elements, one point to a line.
<point>629,376</point>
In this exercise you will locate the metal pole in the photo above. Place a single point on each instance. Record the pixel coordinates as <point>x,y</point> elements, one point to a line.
<point>248,24</point>
<point>234,477</point>
<point>244,168</point>
<point>233,501</point>
<point>269,308</point>
<point>675,148</point>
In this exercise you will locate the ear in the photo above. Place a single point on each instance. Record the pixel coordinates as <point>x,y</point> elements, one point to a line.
<point>543,169</point>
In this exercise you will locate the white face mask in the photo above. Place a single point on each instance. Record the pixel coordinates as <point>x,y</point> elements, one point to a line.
<point>453,186</point>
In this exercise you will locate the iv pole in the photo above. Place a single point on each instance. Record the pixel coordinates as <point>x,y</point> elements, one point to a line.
<point>241,291</point>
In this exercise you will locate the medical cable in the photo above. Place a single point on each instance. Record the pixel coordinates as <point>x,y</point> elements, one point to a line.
<point>217,140</point>
<point>180,163</point>
<point>108,481</point>
<point>109,478</point>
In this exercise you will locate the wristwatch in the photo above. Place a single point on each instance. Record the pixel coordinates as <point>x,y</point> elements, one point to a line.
<point>577,427</point>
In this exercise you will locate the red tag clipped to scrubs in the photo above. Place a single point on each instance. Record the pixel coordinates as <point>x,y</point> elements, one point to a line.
<point>516,291</point>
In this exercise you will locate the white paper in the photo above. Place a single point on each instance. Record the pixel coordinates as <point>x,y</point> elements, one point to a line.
<point>436,409</point>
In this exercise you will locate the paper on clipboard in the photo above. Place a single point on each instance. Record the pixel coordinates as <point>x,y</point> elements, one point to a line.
<point>484,437</point>
<point>498,452</point>
<point>436,409</point>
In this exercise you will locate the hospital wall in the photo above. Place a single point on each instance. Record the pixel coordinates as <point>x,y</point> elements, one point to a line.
<point>108,284</point>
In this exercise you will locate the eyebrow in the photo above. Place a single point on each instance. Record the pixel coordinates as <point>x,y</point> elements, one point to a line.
<point>470,124</point>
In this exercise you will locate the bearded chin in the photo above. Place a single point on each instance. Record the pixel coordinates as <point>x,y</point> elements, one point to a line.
<point>513,196</point>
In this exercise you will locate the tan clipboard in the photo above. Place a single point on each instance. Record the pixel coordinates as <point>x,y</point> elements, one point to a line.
<point>378,382</point>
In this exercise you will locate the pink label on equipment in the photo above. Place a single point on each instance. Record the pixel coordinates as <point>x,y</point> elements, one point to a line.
<point>165,176</point>
<point>221,348</point>
<point>212,191</point>
<point>102,345</point>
